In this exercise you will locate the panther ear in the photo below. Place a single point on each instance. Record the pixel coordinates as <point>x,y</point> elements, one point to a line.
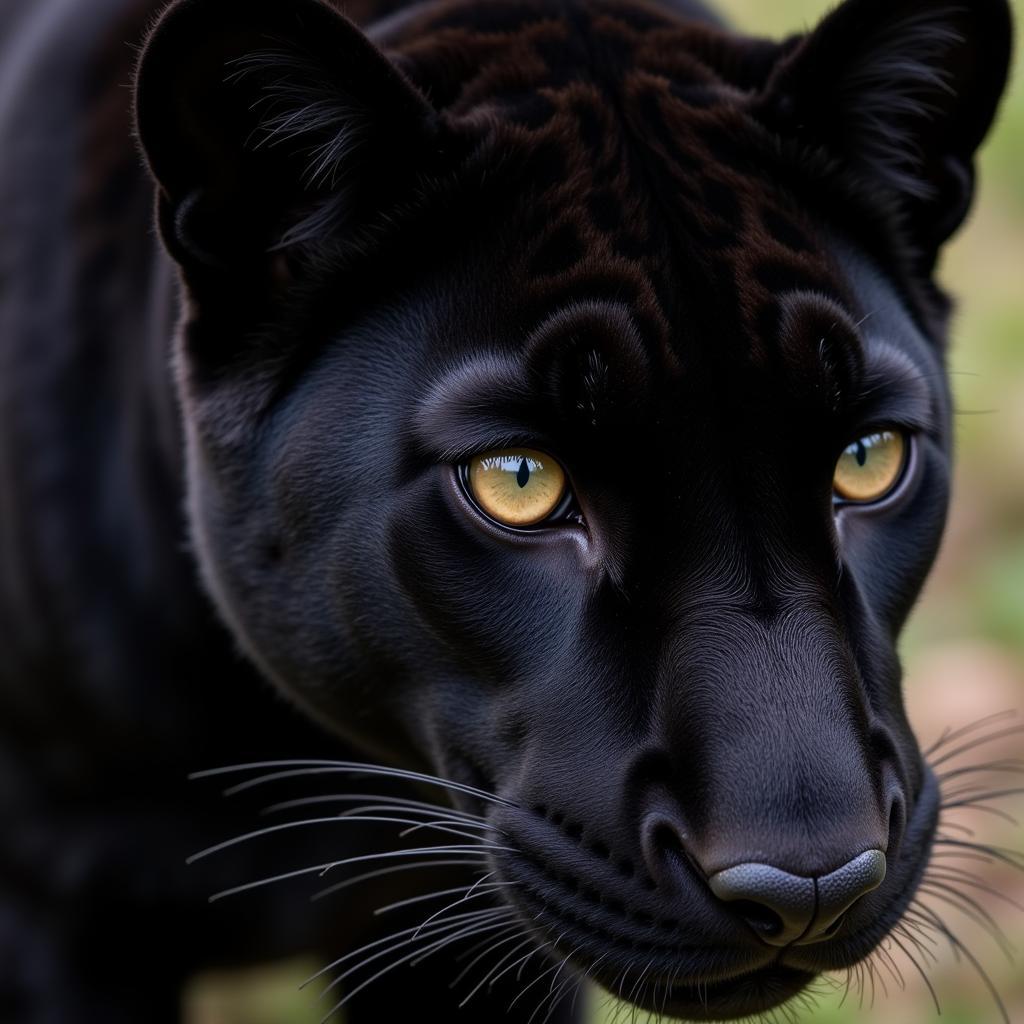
<point>265,122</point>
<point>900,93</point>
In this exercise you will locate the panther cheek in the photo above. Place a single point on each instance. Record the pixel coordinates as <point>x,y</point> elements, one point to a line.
<point>501,579</point>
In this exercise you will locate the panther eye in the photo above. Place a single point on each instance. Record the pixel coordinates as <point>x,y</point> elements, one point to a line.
<point>870,468</point>
<point>516,486</point>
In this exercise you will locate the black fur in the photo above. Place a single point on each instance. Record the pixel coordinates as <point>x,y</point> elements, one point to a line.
<point>693,266</point>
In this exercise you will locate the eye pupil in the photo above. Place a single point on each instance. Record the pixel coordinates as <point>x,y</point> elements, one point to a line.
<point>871,467</point>
<point>518,487</point>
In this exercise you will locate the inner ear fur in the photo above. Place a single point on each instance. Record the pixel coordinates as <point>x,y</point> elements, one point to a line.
<point>264,121</point>
<point>899,93</point>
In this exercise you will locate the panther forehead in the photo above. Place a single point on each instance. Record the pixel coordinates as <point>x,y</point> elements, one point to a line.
<point>639,174</point>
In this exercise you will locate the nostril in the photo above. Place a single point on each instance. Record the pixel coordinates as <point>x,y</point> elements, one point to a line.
<point>778,906</point>
<point>840,890</point>
<point>762,919</point>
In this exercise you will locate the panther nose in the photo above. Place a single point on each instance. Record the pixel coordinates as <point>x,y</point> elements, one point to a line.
<point>784,908</point>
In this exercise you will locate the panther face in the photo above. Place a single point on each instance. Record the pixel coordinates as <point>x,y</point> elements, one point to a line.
<point>566,414</point>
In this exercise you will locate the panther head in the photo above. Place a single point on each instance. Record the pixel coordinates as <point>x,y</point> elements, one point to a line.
<point>566,414</point>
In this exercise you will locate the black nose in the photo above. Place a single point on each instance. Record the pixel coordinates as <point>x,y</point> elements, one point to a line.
<point>784,908</point>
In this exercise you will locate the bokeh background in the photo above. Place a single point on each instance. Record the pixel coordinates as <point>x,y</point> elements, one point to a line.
<point>964,648</point>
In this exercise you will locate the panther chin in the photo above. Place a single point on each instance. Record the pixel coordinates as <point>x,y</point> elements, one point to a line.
<point>742,995</point>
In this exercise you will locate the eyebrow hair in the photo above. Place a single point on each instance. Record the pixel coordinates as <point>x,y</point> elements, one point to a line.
<point>895,385</point>
<point>484,401</point>
<point>510,396</point>
<point>591,354</point>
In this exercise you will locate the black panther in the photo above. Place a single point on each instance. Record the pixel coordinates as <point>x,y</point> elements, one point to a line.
<point>543,399</point>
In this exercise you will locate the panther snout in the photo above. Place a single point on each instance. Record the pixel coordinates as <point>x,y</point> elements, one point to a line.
<point>784,908</point>
<point>728,920</point>
<point>782,886</point>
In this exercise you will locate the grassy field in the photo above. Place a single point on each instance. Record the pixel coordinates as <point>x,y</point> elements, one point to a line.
<point>965,646</point>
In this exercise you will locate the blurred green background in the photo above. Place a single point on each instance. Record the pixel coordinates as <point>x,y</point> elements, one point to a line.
<point>964,648</point>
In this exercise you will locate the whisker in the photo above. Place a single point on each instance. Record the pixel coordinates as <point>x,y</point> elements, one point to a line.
<point>918,914</point>
<point>491,976</point>
<point>456,920</point>
<point>391,943</point>
<point>959,947</point>
<point>869,965</point>
<point>485,826</point>
<point>393,869</point>
<point>960,855</point>
<point>922,972</point>
<point>1014,730</point>
<point>472,949</point>
<point>546,998</point>
<point>990,794</point>
<point>541,945</point>
<point>413,957</point>
<point>296,768</point>
<point>846,988</point>
<point>587,973</point>
<point>974,789</point>
<point>470,895</point>
<point>995,812</point>
<point>967,905</point>
<point>563,990</point>
<point>618,989</point>
<point>670,982</point>
<point>916,934</point>
<point>958,826</point>
<point>950,874</point>
<point>284,826</point>
<point>893,968</point>
<point>639,981</point>
<point>465,889</point>
<point>950,736</point>
<point>506,913</point>
<point>322,869</point>
<point>466,821</point>
<point>521,961</point>
<point>561,967</point>
<point>442,928</point>
<point>385,803</point>
<point>1010,857</point>
<point>517,933</point>
<point>540,977</point>
<point>1008,766</point>
<point>973,910</point>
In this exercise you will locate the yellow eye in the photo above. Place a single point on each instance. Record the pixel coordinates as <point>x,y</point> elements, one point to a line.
<point>871,467</point>
<point>517,486</point>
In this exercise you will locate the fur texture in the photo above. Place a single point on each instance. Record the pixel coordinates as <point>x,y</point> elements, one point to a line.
<point>692,265</point>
